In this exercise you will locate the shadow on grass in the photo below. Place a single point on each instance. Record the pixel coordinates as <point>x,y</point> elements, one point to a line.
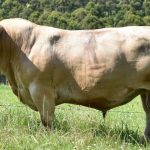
<point>61,125</point>
<point>122,133</point>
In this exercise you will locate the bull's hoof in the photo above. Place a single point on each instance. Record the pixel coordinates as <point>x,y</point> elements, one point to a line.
<point>48,126</point>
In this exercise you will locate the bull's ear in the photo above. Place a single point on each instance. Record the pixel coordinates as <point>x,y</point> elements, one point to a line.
<point>1,29</point>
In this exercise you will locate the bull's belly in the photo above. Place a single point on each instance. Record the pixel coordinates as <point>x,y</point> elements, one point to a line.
<point>102,99</point>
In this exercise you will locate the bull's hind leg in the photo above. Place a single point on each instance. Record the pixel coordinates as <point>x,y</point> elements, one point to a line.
<point>44,100</point>
<point>146,105</point>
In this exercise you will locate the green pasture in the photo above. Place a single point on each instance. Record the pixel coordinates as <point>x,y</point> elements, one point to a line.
<point>75,127</point>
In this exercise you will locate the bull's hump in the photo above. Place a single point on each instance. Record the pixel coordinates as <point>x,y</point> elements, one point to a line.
<point>18,28</point>
<point>16,21</point>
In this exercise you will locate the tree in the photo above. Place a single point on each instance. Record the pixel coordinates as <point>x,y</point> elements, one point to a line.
<point>147,7</point>
<point>56,19</point>
<point>79,14</point>
<point>34,16</point>
<point>94,8</point>
<point>131,19</point>
<point>43,18</point>
<point>11,8</point>
<point>26,12</point>
<point>90,22</point>
<point>136,7</point>
<point>146,21</point>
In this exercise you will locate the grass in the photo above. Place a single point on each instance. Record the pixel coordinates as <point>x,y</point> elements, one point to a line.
<point>75,127</point>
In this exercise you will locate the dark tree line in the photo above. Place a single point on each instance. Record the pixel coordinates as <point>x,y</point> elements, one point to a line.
<point>79,14</point>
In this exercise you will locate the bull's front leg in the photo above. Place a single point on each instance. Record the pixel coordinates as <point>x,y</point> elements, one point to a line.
<point>146,105</point>
<point>44,99</point>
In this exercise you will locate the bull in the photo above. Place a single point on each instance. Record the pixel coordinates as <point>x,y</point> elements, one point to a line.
<point>101,69</point>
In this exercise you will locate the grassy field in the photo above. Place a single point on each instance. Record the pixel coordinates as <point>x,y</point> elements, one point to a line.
<point>75,128</point>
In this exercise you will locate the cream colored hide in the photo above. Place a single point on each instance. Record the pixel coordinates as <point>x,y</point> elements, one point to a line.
<point>101,68</point>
